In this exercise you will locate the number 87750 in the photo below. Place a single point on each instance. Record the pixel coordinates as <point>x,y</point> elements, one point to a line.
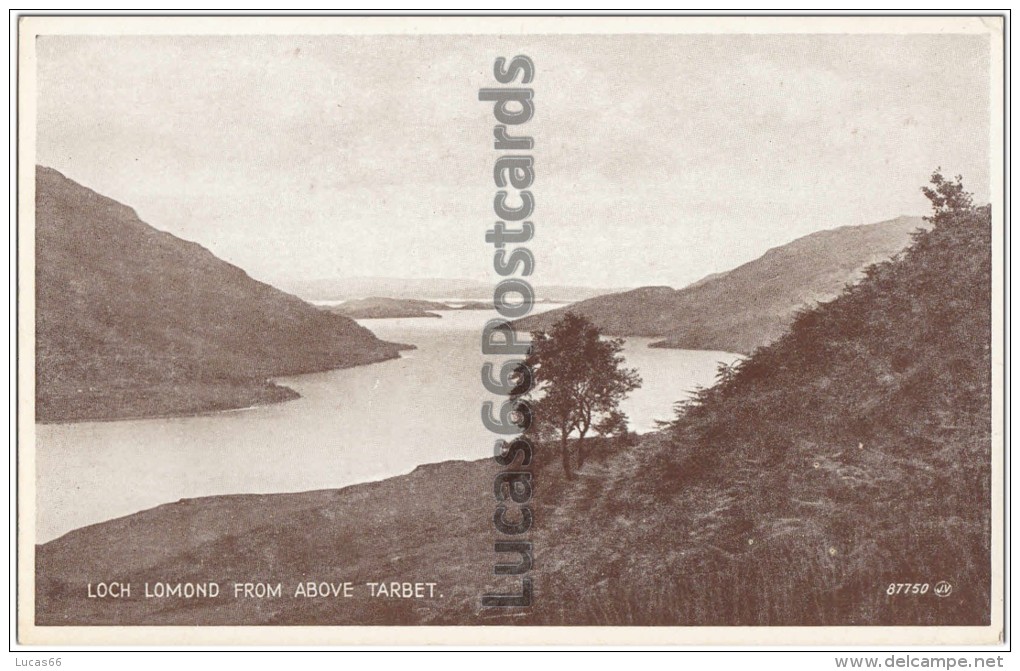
<point>907,588</point>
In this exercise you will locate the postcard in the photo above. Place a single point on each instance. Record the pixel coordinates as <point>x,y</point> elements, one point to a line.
<point>511,330</point>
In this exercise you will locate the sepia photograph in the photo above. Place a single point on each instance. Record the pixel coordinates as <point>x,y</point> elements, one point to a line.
<point>511,330</point>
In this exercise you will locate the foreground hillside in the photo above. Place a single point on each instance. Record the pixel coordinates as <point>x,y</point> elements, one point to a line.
<point>855,451</point>
<point>132,321</point>
<point>850,455</point>
<point>748,306</point>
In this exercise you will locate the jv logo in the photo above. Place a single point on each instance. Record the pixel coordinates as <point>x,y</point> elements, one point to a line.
<point>943,588</point>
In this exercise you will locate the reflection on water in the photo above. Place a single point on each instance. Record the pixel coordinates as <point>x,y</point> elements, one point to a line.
<point>349,426</point>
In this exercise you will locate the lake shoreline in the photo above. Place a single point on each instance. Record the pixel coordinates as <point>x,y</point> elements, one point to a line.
<point>245,498</point>
<point>196,398</point>
<point>287,394</point>
<point>348,426</point>
<point>157,544</point>
<point>360,532</point>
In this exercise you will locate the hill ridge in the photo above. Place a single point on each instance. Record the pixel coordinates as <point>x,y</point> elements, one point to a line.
<point>132,321</point>
<point>751,304</point>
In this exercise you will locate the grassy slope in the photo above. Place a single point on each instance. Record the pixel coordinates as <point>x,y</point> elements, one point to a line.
<point>748,306</point>
<point>855,450</point>
<point>132,321</point>
<point>850,454</point>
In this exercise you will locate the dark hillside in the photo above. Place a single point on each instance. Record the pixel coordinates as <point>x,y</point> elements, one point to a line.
<point>854,452</point>
<point>132,321</point>
<point>751,305</point>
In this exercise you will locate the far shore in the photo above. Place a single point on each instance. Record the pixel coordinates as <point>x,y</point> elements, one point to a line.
<point>191,398</point>
<point>182,415</point>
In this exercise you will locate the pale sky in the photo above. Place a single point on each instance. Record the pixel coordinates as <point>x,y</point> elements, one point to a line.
<point>659,158</point>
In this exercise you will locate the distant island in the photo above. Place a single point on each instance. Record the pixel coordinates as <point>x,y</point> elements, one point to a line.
<point>392,308</point>
<point>135,322</point>
<point>433,289</point>
<point>751,305</point>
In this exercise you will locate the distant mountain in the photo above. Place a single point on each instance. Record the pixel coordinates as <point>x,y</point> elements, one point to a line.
<point>751,305</point>
<point>132,321</point>
<point>341,289</point>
